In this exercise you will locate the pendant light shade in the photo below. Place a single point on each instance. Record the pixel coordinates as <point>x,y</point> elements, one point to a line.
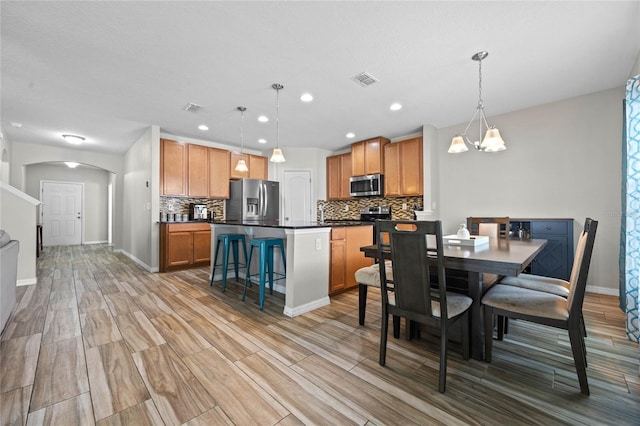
<point>276,156</point>
<point>492,141</point>
<point>242,165</point>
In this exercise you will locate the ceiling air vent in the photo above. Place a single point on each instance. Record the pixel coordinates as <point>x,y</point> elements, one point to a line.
<point>191,107</point>
<point>364,79</point>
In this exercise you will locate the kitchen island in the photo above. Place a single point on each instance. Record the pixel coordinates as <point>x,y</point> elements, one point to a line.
<point>306,286</point>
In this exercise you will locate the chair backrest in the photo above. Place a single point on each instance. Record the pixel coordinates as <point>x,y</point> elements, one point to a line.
<point>580,270</point>
<point>497,227</point>
<point>416,251</point>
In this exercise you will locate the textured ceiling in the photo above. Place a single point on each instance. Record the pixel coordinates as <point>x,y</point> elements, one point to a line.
<point>108,70</point>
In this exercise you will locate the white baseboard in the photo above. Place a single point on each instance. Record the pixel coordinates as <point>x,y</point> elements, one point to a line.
<point>603,290</point>
<point>95,242</point>
<point>307,307</point>
<point>136,260</point>
<point>26,281</point>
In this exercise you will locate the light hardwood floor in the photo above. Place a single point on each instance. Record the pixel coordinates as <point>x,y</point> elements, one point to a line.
<point>100,340</point>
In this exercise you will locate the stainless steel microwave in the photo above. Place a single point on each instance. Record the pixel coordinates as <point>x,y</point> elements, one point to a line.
<point>362,186</point>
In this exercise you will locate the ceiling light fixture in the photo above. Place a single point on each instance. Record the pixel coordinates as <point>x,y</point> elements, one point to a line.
<point>276,156</point>
<point>73,139</point>
<point>71,164</point>
<point>203,127</point>
<point>395,107</point>
<point>263,119</point>
<point>242,165</point>
<point>262,141</point>
<point>351,135</point>
<point>306,97</point>
<point>492,141</point>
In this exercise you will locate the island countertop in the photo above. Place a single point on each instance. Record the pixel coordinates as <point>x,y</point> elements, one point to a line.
<point>294,225</point>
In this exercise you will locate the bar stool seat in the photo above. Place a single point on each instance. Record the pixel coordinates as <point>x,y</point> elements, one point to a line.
<point>229,241</point>
<point>265,259</point>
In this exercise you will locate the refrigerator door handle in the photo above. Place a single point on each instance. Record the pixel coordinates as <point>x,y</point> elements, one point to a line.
<point>264,200</point>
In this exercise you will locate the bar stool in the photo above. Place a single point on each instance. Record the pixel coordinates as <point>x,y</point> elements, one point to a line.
<point>228,241</point>
<point>265,258</point>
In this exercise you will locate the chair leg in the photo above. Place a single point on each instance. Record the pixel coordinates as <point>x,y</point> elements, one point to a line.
<point>247,280</point>
<point>384,329</point>
<point>501,323</point>
<point>215,261</point>
<point>396,326</point>
<point>443,357</point>
<point>579,358</point>
<point>488,332</point>
<point>362,302</point>
<point>465,336</point>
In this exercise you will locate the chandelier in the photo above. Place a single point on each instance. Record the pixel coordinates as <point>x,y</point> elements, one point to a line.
<point>492,141</point>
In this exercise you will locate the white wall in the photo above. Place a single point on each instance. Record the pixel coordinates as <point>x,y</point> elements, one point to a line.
<point>95,201</point>
<point>24,154</point>
<point>563,160</point>
<point>137,202</point>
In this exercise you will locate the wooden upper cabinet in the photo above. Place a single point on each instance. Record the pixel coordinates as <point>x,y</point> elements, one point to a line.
<point>338,173</point>
<point>367,157</point>
<point>258,166</point>
<point>219,173</point>
<point>403,168</point>
<point>198,171</point>
<point>173,168</point>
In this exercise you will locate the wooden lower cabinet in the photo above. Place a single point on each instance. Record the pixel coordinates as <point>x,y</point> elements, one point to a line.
<point>184,245</point>
<point>346,257</point>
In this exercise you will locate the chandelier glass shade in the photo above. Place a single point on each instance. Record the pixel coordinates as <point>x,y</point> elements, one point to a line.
<point>492,141</point>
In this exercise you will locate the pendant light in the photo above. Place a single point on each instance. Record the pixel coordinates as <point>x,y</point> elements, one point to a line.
<point>242,165</point>
<point>276,156</point>
<point>492,141</point>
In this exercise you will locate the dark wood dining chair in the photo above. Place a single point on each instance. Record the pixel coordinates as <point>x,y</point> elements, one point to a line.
<point>497,227</point>
<point>548,308</point>
<point>409,292</point>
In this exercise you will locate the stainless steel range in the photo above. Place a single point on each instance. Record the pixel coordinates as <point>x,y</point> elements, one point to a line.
<point>371,214</point>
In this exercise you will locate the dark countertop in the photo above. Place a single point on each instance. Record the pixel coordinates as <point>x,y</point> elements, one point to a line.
<point>294,225</point>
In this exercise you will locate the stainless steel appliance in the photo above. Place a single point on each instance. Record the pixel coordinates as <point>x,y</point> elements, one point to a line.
<point>253,200</point>
<point>362,186</point>
<point>370,214</point>
<point>197,211</point>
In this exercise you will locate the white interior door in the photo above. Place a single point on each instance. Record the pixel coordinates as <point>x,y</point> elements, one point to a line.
<point>297,196</point>
<point>61,213</point>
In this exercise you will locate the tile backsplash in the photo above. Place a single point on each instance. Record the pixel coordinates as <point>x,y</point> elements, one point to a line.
<point>340,210</point>
<point>181,205</point>
<point>350,209</point>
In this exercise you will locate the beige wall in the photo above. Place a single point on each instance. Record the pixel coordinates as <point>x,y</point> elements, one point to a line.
<point>563,161</point>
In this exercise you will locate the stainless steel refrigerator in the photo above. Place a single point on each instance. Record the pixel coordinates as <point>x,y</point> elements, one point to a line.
<point>253,200</point>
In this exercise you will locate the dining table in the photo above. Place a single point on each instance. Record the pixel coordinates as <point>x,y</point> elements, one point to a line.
<point>504,257</point>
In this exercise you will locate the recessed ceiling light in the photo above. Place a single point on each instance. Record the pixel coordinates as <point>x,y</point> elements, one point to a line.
<point>73,139</point>
<point>351,135</point>
<point>71,164</point>
<point>395,107</point>
<point>263,119</point>
<point>16,124</point>
<point>306,97</point>
<point>262,141</point>
<point>203,127</point>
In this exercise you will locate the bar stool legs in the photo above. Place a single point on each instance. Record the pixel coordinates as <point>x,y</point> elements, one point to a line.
<point>229,242</point>
<point>265,265</point>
